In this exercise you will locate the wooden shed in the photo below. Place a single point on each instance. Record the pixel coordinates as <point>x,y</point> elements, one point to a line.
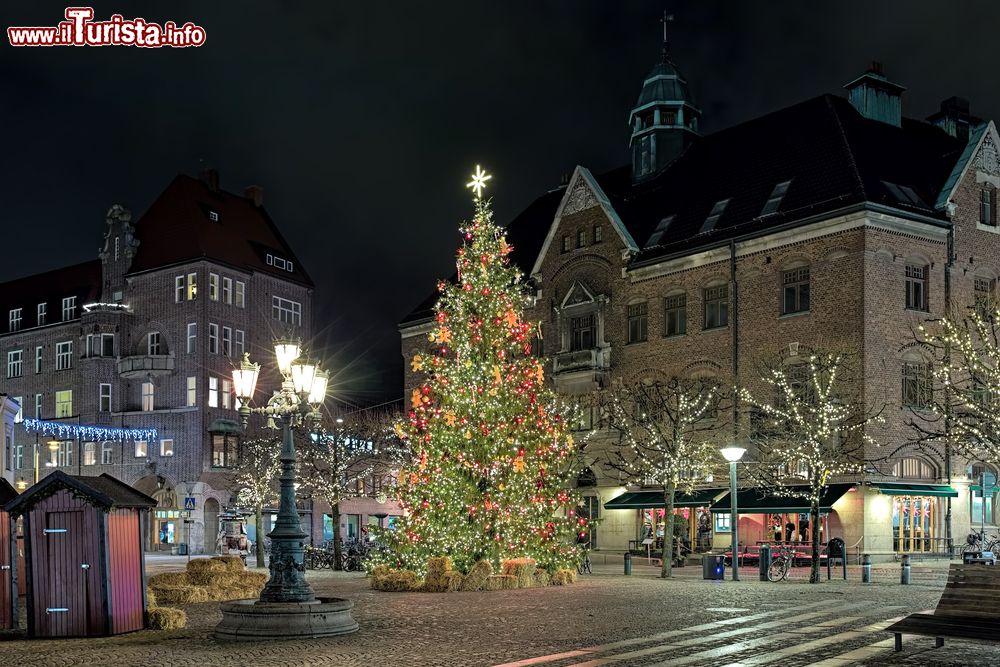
<point>83,550</point>
<point>8,560</point>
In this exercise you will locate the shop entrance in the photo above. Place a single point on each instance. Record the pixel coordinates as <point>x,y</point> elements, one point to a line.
<point>913,519</point>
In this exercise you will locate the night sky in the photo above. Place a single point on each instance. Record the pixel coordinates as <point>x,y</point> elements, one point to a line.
<point>362,120</point>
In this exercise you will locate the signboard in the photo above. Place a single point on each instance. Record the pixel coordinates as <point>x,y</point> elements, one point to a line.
<point>188,502</point>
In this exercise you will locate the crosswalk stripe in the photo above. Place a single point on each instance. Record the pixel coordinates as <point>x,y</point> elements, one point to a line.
<point>624,643</point>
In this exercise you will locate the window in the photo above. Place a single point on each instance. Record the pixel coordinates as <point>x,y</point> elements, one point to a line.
<point>581,238</point>
<point>89,453</point>
<point>723,522</point>
<point>41,313</point>
<point>241,294</point>
<point>983,493</point>
<point>987,207</point>
<point>985,301</point>
<point>117,247</point>
<point>800,386</point>
<point>917,384</point>
<point>213,287</point>
<point>100,345</point>
<point>716,307</point>
<point>911,468</point>
<point>213,216</point>
<point>226,393</point>
<point>15,320</point>
<point>192,391</point>
<point>147,396</point>
<point>224,450</point>
<point>68,308</point>
<point>227,341</point>
<point>916,287</point>
<point>240,343</point>
<point>661,228</point>
<point>64,457</point>
<point>227,290</point>
<point>105,397</point>
<point>675,308</point>
<point>38,358</point>
<point>106,452</point>
<point>598,237</point>
<point>192,337</point>
<point>637,314</point>
<point>64,355</point>
<point>38,406</point>
<point>647,147</point>
<point>64,403</point>
<point>192,286</point>
<point>795,291</point>
<point>713,216</point>
<point>289,312</point>
<point>567,243</point>
<point>19,417</point>
<point>167,447</point>
<point>774,201</point>
<point>141,448</point>
<point>14,365</point>
<point>213,392</point>
<point>178,289</point>
<point>18,457</point>
<point>582,332</point>
<point>153,343</point>
<point>213,338</point>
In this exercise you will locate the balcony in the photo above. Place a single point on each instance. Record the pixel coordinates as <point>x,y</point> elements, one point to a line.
<point>146,365</point>
<point>581,371</point>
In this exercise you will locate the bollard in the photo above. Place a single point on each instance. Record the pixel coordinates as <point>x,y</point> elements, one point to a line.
<point>866,569</point>
<point>904,576</point>
<point>765,561</point>
<point>628,563</point>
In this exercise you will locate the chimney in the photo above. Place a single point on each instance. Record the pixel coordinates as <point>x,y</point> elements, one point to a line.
<point>211,178</point>
<point>954,118</point>
<point>255,193</point>
<point>875,97</point>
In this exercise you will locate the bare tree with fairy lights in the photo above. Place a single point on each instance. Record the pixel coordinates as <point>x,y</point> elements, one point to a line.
<point>668,435</point>
<point>254,481</point>
<point>808,426</point>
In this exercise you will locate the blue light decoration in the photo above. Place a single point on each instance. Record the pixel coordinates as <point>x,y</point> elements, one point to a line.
<point>87,432</point>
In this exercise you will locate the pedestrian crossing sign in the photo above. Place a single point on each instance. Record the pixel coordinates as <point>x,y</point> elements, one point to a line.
<point>188,502</point>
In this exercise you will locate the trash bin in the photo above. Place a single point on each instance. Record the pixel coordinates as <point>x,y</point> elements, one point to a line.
<point>713,567</point>
<point>182,549</point>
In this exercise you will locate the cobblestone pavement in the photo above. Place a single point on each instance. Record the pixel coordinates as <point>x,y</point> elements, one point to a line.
<point>604,619</point>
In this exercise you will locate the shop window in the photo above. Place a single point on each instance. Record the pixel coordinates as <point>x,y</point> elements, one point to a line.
<point>983,493</point>
<point>723,522</point>
<point>913,521</point>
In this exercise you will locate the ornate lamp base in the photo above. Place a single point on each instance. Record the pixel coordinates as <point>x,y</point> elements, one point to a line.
<point>252,620</point>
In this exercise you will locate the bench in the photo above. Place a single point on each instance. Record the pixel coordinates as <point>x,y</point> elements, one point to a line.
<point>966,609</point>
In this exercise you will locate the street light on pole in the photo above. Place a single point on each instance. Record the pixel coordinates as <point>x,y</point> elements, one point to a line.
<point>733,455</point>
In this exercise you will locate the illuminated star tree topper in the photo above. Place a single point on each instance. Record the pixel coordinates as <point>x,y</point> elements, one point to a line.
<point>478,181</point>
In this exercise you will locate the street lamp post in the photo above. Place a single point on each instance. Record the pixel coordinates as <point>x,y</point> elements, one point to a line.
<point>287,606</point>
<point>733,455</point>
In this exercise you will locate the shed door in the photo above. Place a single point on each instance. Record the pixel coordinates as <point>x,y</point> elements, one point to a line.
<point>64,606</point>
<point>6,574</point>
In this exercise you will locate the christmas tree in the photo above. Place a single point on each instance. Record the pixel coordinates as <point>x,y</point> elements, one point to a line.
<point>493,461</point>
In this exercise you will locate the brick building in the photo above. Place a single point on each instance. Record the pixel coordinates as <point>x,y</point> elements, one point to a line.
<point>824,224</point>
<point>145,337</point>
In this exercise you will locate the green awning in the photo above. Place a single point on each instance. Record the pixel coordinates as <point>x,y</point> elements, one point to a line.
<point>903,489</point>
<point>649,499</point>
<point>224,426</point>
<point>977,488</point>
<point>760,501</point>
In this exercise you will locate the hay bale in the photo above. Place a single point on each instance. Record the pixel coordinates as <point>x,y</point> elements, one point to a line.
<point>233,563</point>
<point>169,579</point>
<point>542,577</point>
<point>378,575</point>
<point>166,618</point>
<point>563,577</point>
<point>477,577</point>
<point>437,568</point>
<point>501,582</point>
<point>203,570</point>
<point>522,569</point>
<point>150,597</point>
<point>400,581</point>
<point>181,594</point>
<point>454,579</point>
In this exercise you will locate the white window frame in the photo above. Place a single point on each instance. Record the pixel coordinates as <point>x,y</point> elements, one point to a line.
<point>213,338</point>
<point>179,289</point>
<point>15,363</point>
<point>192,286</point>
<point>227,341</point>
<point>19,417</point>
<point>226,393</point>
<point>64,408</point>
<point>192,391</point>
<point>64,355</point>
<point>38,406</point>
<point>64,458</point>
<point>148,396</point>
<point>39,354</point>
<point>14,321</point>
<point>41,312</point>
<point>68,308</point>
<point>240,298</point>
<point>239,344</point>
<point>89,454</point>
<point>213,286</point>
<point>107,453</point>
<point>104,397</point>
<point>192,337</point>
<point>141,449</point>
<point>167,449</point>
<point>213,392</point>
<point>286,311</point>
<point>227,290</point>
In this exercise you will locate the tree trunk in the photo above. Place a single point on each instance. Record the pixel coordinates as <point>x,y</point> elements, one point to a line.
<point>259,524</point>
<point>814,537</point>
<point>669,491</point>
<point>337,550</point>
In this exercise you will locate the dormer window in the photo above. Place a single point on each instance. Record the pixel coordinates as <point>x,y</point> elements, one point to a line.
<point>68,308</point>
<point>41,312</point>
<point>213,216</point>
<point>714,215</point>
<point>14,321</point>
<point>668,117</point>
<point>660,230</point>
<point>774,201</point>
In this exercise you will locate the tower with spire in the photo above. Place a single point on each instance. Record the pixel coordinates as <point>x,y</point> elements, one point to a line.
<point>664,121</point>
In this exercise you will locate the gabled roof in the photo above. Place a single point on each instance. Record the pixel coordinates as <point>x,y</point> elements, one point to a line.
<point>178,228</point>
<point>7,492</point>
<point>106,492</point>
<point>80,280</point>
<point>833,157</point>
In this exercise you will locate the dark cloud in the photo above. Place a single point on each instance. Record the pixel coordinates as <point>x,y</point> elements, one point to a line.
<point>361,120</point>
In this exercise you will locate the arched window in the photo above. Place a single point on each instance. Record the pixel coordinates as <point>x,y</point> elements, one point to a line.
<point>913,468</point>
<point>982,493</point>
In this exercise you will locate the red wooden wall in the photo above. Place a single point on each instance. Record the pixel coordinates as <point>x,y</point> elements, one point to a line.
<point>126,571</point>
<point>7,569</point>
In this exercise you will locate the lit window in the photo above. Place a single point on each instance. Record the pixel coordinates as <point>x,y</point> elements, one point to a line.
<point>192,391</point>
<point>241,291</point>
<point>89,453</point>
<point>19,417</point>
<point>675,308</point>
<point>226,393</point>
<point>64,355</point>
<point>224,450</point>
<point>723,522</point>
<point>14,363</point>
<point>14,320</point>
<point>213,338</point>
<point>42,312</point>
<point>916,287</point>
<point>284,310</point>
<point>213,287</point>
<point>68,308</point>
<point>141,448</point>
<point>105,397</point>
<point>983,493</point>
<point>106,453</point>
<point>147,396</point>
<point>213,392</point>
<point>38,358</point>
<point>166,447</point>
<point>716,307</point>
<point>64,403</point>
<point>795,291</point>
<point>192,337</point>
<point>192,286</point>
<point>227,290</point>
<point>638,322</point>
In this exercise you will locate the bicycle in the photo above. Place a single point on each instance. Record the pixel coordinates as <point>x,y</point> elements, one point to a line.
<point>780,565</point>
<point>977,541</point>
<point>585,566</point>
